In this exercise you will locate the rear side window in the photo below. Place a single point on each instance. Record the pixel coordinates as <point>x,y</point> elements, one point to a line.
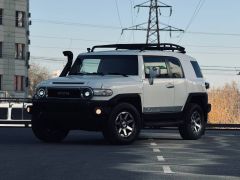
<point>3,113</point>
<point>176,68</point>
<point>197,69</point>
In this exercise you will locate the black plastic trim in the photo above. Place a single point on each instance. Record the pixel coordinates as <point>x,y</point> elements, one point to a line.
<point>142,47</point>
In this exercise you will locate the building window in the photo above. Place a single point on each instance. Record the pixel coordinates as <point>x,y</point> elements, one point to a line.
<point>20,17</point>
<point>1,46</point>
<point>1,16</point>
<point>20,51</point>
<point>0,82</point>
<point>19,83</point>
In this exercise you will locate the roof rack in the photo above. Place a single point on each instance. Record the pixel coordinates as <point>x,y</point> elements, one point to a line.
<point>142,47</point>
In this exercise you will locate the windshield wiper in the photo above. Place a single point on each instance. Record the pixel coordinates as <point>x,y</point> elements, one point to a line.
<point>117,74</point>
<point>100,74</point>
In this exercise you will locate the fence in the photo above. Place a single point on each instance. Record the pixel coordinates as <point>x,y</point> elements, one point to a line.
<point>13,112</point>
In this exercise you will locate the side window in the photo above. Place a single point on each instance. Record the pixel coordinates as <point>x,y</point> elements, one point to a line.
<point>197,69</point>
<point>157,65</point>
<point>175,68</point>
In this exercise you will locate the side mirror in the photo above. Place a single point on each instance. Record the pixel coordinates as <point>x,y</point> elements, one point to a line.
<point>153,71</point>
<point>207,85</point>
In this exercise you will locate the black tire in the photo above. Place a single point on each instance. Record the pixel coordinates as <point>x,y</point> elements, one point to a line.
<point>126,117</point>
<point>46,132</point>
<point>194,124</point>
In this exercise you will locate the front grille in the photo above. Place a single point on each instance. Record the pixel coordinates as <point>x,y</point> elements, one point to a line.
<point>64,93</point>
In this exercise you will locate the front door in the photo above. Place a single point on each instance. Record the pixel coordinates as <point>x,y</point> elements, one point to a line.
<point>158,97</point>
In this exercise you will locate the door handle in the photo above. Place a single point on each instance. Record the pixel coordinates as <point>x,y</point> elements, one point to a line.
<point>170,85</point>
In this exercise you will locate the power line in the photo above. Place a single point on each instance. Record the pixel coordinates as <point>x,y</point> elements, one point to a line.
<point>198,7</point>
<point>132,18</point>
<point>232,67</point>
<point>213,33</point>
<point>72,38</point>
<point>206,46</point>
<point>225,70</point>
<point>118,13</point>
<point>76,24</point>
<point>214,53</point>
<point>204,67</point>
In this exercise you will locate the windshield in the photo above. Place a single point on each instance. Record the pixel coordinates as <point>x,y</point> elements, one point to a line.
<point>105,65</point>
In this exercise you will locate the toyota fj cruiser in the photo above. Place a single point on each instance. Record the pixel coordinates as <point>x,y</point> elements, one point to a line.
<point>121,91</point>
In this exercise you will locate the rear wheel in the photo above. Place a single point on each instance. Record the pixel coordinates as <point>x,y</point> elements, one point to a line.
<point>123,125</point>
<point>195,124</point>
<point>46,132</point>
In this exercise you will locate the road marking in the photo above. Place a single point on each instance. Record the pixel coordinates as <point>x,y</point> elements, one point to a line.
<point>160,158</point>
<point>153,144</point>
<point>156,150</point>
<point>167,170</point>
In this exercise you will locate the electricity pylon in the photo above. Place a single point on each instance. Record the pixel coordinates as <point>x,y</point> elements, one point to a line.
<point>153,25</point>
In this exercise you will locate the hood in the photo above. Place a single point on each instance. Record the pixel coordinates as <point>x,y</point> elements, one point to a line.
<point>107,81</point>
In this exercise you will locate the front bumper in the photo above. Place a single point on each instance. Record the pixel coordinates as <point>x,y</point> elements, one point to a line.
<point>72,113</point>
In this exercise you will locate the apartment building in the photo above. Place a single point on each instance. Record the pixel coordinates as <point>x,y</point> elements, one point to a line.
<point>14,48</point>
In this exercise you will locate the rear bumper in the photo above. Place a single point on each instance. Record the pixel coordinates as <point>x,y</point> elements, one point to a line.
<point>72,114</point>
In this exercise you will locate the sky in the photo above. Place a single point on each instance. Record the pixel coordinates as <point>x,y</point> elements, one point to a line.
<point>212,36</point>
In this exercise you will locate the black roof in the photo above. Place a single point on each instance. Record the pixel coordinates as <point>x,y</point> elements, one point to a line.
<point>142,47</point>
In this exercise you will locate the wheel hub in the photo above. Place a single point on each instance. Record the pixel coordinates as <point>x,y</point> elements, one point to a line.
<point>125,124</point>
<point>196,122</point>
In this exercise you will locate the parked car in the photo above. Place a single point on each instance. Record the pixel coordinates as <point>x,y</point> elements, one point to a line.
<point>14,111</point>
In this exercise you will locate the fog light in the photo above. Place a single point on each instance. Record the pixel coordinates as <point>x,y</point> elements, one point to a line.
<point>98,111</point>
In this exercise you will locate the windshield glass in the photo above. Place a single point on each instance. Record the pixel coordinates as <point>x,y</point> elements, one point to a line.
<point>106,65</point>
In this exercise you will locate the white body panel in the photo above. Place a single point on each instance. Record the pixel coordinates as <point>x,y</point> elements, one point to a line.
<point>155,98</point>
<point>157,95</point>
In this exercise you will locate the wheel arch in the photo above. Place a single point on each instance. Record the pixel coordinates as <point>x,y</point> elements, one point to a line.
<point>133,99</point>
<point>198,98</point>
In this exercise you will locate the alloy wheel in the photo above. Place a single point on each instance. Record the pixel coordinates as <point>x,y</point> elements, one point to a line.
<point>196,122</point>
<point>125,124</point>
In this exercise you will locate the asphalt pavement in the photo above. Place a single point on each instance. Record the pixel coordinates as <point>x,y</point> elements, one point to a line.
<point>158,154</point>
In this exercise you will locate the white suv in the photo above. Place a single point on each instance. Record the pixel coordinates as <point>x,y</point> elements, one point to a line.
<point>121,91</point>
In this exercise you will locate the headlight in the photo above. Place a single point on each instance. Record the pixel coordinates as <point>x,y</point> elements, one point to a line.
<point>41,92</point>
<point>102,92</point>
<point>87,93</point>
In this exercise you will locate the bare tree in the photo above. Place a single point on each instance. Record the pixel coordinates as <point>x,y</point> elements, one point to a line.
<point>37,74</point>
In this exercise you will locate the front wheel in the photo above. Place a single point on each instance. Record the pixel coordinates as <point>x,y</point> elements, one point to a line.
<point>123,125</point>
<point>46,132</point>
<point>195,124</point>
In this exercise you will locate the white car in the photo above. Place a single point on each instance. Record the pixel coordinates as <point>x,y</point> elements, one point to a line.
<point>121,91</point>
